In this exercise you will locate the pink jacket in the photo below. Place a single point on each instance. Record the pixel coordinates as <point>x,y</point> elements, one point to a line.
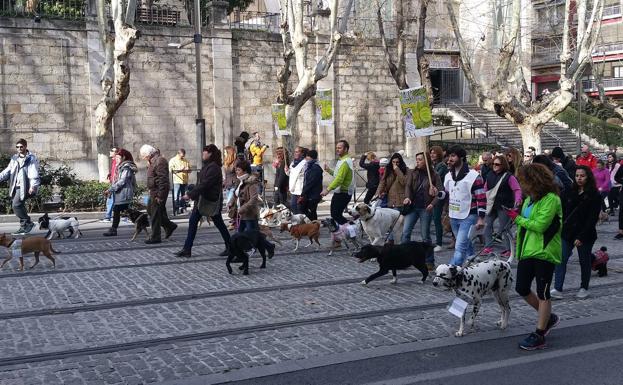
<point>602,177</point>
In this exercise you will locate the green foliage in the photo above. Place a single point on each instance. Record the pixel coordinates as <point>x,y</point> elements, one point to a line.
<point>442,120</point>
<point>32,204</point>
<point>5,201</point>
<point>65,8</point>
<point>85,195</point>
<point>610,134</point>
<point>138,196</point>
<point>240,4</point>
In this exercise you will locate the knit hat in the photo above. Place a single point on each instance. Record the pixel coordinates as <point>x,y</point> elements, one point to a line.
<point>558,153</point>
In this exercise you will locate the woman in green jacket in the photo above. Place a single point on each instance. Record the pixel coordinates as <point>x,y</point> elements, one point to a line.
<point>539,247</point>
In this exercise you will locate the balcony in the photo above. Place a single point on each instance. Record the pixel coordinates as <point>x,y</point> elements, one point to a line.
<point>611,12</point>
<point>547,28</point>
<point>543,56</point>
<point>608,49</point>
<point>610,84</point>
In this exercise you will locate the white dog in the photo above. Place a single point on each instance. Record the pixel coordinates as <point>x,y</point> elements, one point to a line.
<point>377,222</point>
<point>59,225</point>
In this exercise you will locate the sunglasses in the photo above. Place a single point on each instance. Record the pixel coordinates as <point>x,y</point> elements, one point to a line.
<point>497,164</point>
<point>20,146</point>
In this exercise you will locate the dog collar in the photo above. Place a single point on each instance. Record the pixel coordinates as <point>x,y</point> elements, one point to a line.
<point>371,216</point>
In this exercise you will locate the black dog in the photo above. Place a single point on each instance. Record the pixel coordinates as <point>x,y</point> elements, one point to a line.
<point>396,257</point>
<point>140,220</point>
<point>240,243</point>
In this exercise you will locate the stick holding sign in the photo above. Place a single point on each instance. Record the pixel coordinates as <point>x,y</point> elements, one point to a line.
<point>417,117</point>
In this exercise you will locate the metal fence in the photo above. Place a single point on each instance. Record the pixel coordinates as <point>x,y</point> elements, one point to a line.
<point>52,9</point>
<point>258,21</point>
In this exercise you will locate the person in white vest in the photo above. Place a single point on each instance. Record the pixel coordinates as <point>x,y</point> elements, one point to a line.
<point>296,172</point>
<point>467,202</point>
<point>343,184</point>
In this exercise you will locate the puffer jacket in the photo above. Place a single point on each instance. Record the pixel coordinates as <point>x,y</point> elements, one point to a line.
<point>249,203</point>
<point>158,177</point>
<point>124,184</point>
<point>209,186</point>
<point>29,174</point>
<point>394,187</point>
<point>539,235</point>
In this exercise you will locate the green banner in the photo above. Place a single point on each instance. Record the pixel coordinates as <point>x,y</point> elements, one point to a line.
<point>416,112</point>
<point>279,119</point>
<point>324,106</point>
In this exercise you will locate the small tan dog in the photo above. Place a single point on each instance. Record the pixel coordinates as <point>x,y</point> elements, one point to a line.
<point>310,230</point>
<point>36,245</point>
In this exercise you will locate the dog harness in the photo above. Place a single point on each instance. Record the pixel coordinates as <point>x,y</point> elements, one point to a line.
<point>15,248</point>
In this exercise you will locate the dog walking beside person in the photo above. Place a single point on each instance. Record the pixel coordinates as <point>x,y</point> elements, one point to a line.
<point>122,188</point>
<point>23,175</point>
<point>159,186</point>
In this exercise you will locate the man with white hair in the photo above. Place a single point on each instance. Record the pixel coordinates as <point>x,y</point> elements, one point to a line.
<point>158,186</point>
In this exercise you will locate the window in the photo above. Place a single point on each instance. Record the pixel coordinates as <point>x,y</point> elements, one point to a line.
<point>617,72</point>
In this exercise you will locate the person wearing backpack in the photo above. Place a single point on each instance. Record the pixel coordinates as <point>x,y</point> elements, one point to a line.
<point>503,191</point>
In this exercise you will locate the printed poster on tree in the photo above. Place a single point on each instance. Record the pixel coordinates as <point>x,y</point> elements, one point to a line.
<point>416,112</point>
<point>279,119</point>
<point>324,106</point>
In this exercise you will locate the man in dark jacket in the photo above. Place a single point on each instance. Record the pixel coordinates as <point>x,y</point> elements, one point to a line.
<point>158,185</point>
<point>208,188</point>
<point>559,157</point>
<point>372,174</point>
<point>312,186</point>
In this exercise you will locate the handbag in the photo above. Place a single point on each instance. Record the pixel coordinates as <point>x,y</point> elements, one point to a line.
<point>493,192</point>
<point>208,208</point>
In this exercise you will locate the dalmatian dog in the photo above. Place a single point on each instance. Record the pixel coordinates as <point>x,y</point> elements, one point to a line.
<point>474,282</point>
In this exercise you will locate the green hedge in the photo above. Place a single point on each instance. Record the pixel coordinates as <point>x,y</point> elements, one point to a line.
<point>605,133</point>
<point>33,204</point>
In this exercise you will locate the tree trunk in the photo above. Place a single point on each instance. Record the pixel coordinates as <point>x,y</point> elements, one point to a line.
<point>531,135</point>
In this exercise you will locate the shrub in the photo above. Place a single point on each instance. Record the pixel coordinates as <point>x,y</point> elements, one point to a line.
<point>606,133</point>
<point>32,204</point>
<point>85,195</point>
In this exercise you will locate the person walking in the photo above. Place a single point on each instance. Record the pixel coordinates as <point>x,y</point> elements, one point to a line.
<point>229,174</point>
<point>586,158</point>
<point>110,201</point>
<point>513,156</point>
<point>372,174</point>
<point>436,156</point>
<point>343,184</point>
<point>123,187</point>
<point>618,177</point>
<point>561,177</point>
<point>615,188</point>
<point>296,173</point>
<point>282,159</point>
<point>503,191</point>
<point>23,175</point>
<point>581,207</point>
<point>158,186</point>
<point>602,179</point>
<point>487,164</point>
<point>208,199</point>
<point>422,198</point>
<point>393,182</point>
<point>180,168</point>
<point>559,158</point>
<point>257,150</point>
<point>466,202</point>
<point>242,145</point>
<point>312,186</point>
<point>538,247</point>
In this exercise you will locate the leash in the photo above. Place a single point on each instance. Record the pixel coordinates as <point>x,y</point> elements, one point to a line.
<point>394,224</point>
<point>273,213</point>
<point>494,237</point>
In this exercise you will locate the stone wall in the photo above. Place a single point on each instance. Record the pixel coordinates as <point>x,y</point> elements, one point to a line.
<point>49,85</point>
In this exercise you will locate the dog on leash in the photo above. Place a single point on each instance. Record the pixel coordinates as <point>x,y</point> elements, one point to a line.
<point>58,226</point>
<point>474,282</point>
<point>396,257</point>
<point>242,242</point>
<point>140,220</point>
<point>21,247</point>
<point>377,222</point>
<point>309,230</point>
<point>346,233</point>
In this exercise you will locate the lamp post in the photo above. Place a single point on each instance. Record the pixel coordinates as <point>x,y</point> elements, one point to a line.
<point>200,122</point>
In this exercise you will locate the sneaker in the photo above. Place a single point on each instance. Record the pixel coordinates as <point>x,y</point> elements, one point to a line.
<point>534,341</point>
<point>583,293</point>
<point>554,320</point>
<point>28,227</point>
<point>438,248</point>
<point>104,220</point>
<point>555,294</point>
<point>19,231</point>
<point>183,254</point>
<point>618,236</point>
<point>486,251</point>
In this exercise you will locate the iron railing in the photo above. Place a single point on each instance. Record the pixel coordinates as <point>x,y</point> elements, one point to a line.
<point>608,84</point>
<point>611,11</point>
<point>258,21</point>
<point>607,49</point>
<point>50,9</point>
<point>546,55</point>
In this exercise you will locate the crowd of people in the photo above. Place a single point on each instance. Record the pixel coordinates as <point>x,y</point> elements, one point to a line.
<point>553,200</point>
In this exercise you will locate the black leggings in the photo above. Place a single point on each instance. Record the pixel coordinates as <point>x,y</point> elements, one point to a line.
<point>116,214</point>
<point>339,202</point>
<point>531,268</point>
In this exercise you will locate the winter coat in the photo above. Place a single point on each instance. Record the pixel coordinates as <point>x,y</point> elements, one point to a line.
<point>124,184</point>
<point>589,160</point>
<point>281,178</point>
<point>562,178</point>
<point>230,180</point>
<point>538,236</point>
<point>372,172</point>
<point>209,186</point>
<point>569,165</point>
<point>297,175</point>
<point>417,185</point>
<point>28,175</point>
<point>613,172</point>
<point>248,200</point>
<point>581,213</point>
<point>312,185</point>
<point>158,177</point>
<point>602,178</point>
<point>394,186</point>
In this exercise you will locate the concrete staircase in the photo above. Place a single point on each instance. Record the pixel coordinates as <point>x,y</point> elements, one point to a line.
<point>506,134</point>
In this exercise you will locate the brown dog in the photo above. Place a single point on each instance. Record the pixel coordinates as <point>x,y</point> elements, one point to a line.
<point>34,245</point>
<point>310,230</point>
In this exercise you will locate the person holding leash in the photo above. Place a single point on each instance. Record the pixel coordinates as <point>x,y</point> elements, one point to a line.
<point>343,183</point>
<point>122,188</point>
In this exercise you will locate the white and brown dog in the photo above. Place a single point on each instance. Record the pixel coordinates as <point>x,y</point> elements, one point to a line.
<point>377,222</point>
<point>476,281</point>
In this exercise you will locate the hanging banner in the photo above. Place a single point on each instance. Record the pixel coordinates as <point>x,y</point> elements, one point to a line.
<point>324,106</point>
<point>279,119</point>
<point>416,112</point>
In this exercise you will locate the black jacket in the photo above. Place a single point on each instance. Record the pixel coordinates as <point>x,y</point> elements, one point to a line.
<point>312,183</point>
<point>372,169</point>
<point>210,182</point>
<point>281,178</point>
<point>580,215</point>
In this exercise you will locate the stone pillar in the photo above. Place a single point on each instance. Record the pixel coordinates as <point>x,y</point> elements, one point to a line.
<point>217,12</point>
<point>223,86</point>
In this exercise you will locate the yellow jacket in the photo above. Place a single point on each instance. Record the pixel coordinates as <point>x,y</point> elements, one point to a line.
<point>257,152</point>
<point>176,164</point>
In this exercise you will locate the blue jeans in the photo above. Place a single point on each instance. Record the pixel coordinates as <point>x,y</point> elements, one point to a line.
<point>584,253</point>
<point>110,202</point>
<point>437,212</point>
<point>178,191</point>
<point>193,223</point>
<point>410,221</point>
<point>463,247</point>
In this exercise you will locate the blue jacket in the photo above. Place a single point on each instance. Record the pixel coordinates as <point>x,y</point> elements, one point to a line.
<point>125,183</point>
<point>29,174</point>
<point>312,184</point>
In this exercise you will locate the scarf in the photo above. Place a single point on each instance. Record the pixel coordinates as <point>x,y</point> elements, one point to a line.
<point>241,178</point>
<point>462,172</point>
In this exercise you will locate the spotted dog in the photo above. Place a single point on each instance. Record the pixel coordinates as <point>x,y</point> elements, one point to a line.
<point>476,281</point>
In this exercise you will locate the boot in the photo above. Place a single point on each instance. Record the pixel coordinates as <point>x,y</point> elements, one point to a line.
<point>112,232</point>
<point>183,254</point>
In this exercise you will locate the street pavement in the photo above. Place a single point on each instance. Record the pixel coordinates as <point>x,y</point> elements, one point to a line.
<point>121,312</point>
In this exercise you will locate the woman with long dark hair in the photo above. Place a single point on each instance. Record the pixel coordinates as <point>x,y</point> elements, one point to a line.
<point>207,195</point>
<point>281,162</point>
<point>581,207</point>
<point>539,248</point>
<point>122,187</point>
<point>393,183</point>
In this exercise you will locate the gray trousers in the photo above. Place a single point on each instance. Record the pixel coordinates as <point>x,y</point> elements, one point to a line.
<point>19,208</point>
<point>503,219</point>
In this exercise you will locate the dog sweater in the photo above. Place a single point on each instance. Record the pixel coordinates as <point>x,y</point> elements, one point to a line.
<point>16,248</point>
